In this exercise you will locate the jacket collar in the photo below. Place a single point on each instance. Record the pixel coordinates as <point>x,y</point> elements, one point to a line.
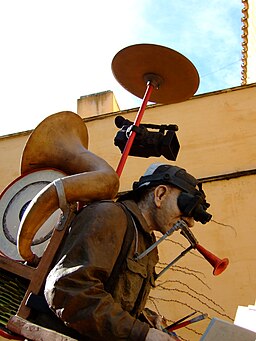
<point>133,207</point>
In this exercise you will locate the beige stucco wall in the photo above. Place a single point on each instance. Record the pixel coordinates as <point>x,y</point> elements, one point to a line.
<point>216,134</point>
<point>99,103</point>
<point>11,147</point>
<point>217,137</point>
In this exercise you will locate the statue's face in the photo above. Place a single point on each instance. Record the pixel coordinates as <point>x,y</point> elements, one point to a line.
<point>167,212</point>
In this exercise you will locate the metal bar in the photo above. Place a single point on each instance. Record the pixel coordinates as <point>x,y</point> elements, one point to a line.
<point>228,176</point>
<point>179,225</point>
<point>186,323</point>
<point>137,121</point>
<point>180,320</point>
<point>174,261</point>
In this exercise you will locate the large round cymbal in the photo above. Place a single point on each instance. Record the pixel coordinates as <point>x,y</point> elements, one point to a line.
<point>179,79</point>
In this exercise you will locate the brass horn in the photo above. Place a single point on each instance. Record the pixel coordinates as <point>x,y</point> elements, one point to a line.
<point>219,265</point>
<point>61,141</point>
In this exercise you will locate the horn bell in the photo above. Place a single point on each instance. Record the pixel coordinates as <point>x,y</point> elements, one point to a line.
<point>61,141</point>
<point>55,142</point>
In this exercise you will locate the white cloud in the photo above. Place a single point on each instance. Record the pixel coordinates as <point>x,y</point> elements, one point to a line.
<point>54,51</point>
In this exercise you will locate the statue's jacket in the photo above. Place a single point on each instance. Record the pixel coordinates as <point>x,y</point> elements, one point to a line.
<point>75,287</point>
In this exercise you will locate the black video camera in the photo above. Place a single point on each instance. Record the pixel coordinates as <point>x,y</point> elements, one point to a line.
<point>148,143</point>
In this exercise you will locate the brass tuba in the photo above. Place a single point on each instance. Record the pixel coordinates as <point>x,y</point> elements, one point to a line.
<point>60,142</point>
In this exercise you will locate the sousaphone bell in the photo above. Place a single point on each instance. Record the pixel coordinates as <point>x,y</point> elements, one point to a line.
<point>61,142</point>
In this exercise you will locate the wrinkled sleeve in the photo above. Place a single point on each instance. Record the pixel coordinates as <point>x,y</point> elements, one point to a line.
<point>74,288</point>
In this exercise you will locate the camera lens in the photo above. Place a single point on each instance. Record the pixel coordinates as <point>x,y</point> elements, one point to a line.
<point>191,206</point>
<point>199,214</point>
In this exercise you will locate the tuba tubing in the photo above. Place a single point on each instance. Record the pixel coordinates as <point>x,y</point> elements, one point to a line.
<point>89,177</point>
<point>219,265</point>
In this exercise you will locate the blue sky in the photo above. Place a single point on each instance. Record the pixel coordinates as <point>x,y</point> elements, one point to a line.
<point>54,51</point>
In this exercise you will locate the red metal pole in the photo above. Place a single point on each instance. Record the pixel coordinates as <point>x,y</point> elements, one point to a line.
<point>137,121</point>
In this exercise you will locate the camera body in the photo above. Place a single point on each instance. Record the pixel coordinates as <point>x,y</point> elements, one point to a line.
<point>148,143</point>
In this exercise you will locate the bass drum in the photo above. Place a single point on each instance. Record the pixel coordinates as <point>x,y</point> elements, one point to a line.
<point>14,200</point>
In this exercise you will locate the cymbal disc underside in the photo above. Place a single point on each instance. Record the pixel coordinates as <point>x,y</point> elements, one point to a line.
<point>179,77</point>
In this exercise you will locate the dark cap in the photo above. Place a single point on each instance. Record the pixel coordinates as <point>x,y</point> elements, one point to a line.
<point>191,200</point>
<point>159,173</point>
